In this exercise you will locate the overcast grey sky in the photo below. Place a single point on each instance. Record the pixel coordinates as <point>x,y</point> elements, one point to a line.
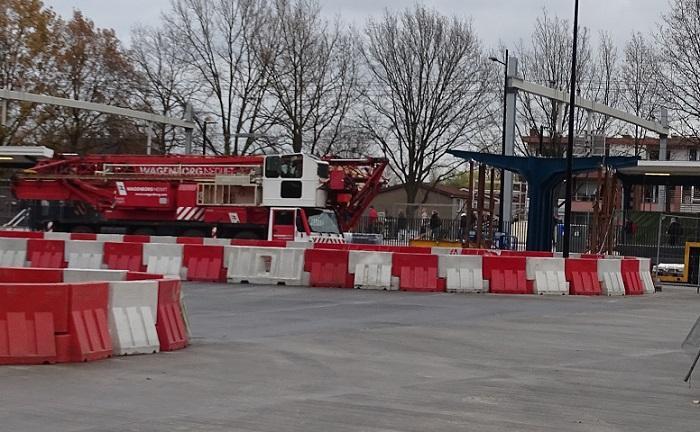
<point>494,20</point>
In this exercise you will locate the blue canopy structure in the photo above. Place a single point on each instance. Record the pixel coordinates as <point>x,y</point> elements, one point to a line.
<point>542,176</point>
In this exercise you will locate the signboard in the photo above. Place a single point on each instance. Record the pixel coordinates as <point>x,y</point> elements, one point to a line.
<point>179,170</point>
<point>142,194</point>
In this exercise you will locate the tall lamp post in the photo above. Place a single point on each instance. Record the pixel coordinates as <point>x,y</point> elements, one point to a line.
<point>503,136</point>
<point>207,120</point>
<point>570,144</point>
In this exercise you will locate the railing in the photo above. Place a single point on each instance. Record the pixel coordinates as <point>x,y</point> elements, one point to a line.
<point>401,232</point>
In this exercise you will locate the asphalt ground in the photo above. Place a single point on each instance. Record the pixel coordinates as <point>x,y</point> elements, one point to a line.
<point>281,359</point>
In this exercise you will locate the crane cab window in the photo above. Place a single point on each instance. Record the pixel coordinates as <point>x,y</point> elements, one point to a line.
<point>272,166</point>
<point>288,166</point>
<point>291,189</point>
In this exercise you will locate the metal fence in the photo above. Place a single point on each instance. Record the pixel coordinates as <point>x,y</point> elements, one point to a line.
<point>399,232</point>
<point>9,207</point>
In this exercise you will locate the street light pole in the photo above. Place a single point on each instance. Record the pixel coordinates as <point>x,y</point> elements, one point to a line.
<point>570,144</point>
<point>204,138</point>
<point>503,135</point>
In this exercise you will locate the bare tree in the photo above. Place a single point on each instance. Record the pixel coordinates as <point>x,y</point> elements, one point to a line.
<point>313,76</point>
<point>166,84</point>
<point>641,90</point>
<point>429,85</point>
<point>547,61</point>
<point>603,86</point>
<point>219,41</point>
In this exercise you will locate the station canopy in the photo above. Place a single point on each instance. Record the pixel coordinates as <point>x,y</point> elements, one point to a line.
<point>671,173</point>
<point>23,156</point>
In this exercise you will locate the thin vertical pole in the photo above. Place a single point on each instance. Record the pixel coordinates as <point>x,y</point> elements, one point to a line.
<point>503,139</point>
<point>470,200</point>
<point>492,207</point>
<point>480,206</point>
<point>570,146</point>
<point>658,245</point>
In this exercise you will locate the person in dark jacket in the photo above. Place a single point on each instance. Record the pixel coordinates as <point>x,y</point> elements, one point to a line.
<point>675,231</point>
<point>401,224</point>
<point>463,226</point>
<point>435,224</point>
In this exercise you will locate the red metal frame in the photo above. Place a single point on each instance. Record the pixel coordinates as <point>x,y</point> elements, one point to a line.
<point>82,178</point>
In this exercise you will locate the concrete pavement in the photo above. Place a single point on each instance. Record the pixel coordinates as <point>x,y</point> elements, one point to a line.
<point>284,359</point>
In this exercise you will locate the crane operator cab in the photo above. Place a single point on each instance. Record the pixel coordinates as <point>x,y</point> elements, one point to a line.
<point>294,189</point>
<point>294,180</point>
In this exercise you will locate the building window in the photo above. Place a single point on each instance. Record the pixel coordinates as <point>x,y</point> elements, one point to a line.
<point>693,154</point>
<point>653,155</point>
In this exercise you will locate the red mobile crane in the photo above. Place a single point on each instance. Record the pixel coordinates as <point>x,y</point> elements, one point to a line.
<point>290,197</point>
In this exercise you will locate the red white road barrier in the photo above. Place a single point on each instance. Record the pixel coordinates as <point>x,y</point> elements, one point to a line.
<point>334,265</point>
<point>547,275</point>
<point>49,316</point>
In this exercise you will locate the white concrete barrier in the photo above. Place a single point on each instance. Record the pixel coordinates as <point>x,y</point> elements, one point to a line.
<point>84,254</point>
<point>372,270</point>
<point>645,275</point>
<point>115,238</point>
<point>163,239</point>
<point>463,273</point>
<point>610,277</point>
<point>571,255</point>
<point>264,265</point>
<point>547,274</point>
<point>56,236</point>
<point>132,317</point>
<point>13,252</point>
<point>445,251</point>
<point>163,259</point>
<point>217,242</point>
<point>89,275</point>
<point>300,244</point>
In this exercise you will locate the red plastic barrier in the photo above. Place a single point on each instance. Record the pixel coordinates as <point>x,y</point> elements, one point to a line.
<point>22,234</point>
<point>204,263</point>
<point>30,275</point>
<point>416,250</point>
<point>582,275</point>
<point>190,240</point>
<point>631,278</point>
<point>170,323</point>
<point>30,316</point>
<point>124,256</point>
<point>506,275</point>
<point>328,268</point>
<point>88,336</point>
<point>136,238</point>
<point>259,243</point>
<point>83,236</point>
<point>335,246</point>
<point>136,276</point>
<point>482,252</point>
<point>46,253</point>
<point>417,272</point>
<point>530,254</point>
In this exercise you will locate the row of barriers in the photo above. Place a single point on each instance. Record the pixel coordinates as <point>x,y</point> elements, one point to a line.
<point>136,238</point>
<point>346,266</point>
<point>77,315</point>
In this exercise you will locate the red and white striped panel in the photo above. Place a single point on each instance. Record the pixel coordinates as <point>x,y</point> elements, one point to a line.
<point>189,214</point>
<point>335,240</point>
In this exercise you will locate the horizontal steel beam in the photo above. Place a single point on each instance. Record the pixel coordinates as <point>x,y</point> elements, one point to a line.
<point>92,106</point>
<point>560,96</point>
